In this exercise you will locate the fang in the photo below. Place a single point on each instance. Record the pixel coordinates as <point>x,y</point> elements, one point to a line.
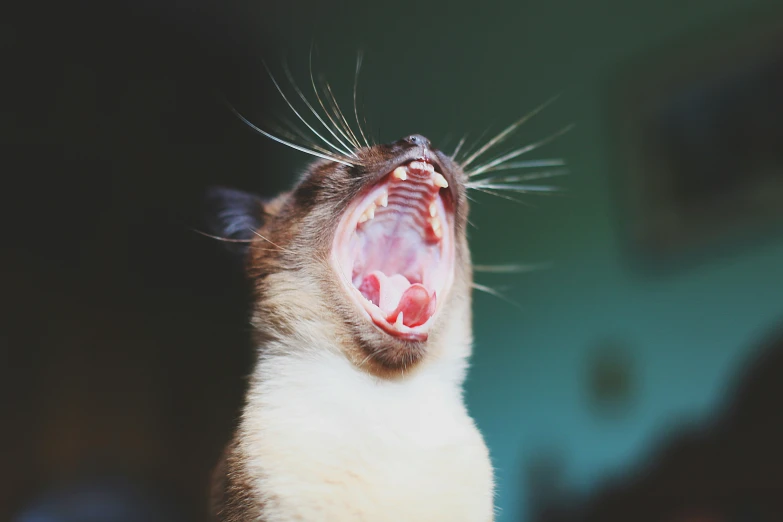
<point>398,322</point>
<point>439,180</point>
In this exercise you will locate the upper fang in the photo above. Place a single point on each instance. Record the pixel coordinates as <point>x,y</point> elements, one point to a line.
<point>400,173</point>
<point>439,180</point>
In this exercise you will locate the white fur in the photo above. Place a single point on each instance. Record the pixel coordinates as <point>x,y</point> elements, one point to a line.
<point>328,442</point>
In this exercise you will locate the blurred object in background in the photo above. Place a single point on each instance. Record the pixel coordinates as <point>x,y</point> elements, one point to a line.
<point>727,470</point>
<point>100,499</point>
<point>700,123</point>
<point>122,332</point>
<point>610,379</point>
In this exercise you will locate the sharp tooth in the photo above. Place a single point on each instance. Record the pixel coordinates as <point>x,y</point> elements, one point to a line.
<point>433,209</point>
<point>436,227</point>
<point>398,322</point>
<point>400,173</point>
<point>439,180</point>
<point>383,200</point>
<point>369,213</point>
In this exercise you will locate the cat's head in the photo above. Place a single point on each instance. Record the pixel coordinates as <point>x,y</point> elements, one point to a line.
<point>366,255</point>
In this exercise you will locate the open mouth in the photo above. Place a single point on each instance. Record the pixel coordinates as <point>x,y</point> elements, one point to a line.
<point>394,250</point>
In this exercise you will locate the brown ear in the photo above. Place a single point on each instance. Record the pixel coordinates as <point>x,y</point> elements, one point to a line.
<point>233,215</point>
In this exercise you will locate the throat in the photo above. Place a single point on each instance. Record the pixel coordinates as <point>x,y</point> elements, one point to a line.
<point>331,388</point>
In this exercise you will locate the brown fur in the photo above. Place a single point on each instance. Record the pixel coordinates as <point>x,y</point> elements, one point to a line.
<point>297,292</point>
<point>299,228</point>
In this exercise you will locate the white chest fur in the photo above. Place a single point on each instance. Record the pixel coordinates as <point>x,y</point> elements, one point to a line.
<point>330,443</point>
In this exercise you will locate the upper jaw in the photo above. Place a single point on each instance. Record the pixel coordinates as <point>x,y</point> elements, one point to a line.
<point>432,157</point>
<point>393,250</point>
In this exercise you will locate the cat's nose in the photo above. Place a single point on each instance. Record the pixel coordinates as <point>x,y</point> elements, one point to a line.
<point>418,139</point>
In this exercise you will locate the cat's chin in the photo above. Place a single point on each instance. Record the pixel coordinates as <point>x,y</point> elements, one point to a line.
<point>393,250</point>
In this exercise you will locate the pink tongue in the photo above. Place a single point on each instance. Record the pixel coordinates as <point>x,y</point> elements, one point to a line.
<point>395,294</point>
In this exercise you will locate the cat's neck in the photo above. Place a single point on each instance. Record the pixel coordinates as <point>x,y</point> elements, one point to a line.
<point>328,373</point>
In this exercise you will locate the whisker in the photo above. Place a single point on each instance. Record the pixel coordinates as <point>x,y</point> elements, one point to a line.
<point>505,132</point>
<point>346,149</point>
<point>359,58</point>
<point>323,106</point>
<point>519,152</point>
<point>230,240</point>
<point>476,142</point>
<point>284,142</point>
<point>297,134</point>
<point>339,113</point>
<point>493,292</point>
<point>366,125</point>
<point>291,106</point>
<point>494,193</point>
<point>224,239</point>
<point>515,188</point>
<point>530,164</point>
<point>509,269</point>
<point>459,147</point>
<point>505,178</point>
<point>270,241</point>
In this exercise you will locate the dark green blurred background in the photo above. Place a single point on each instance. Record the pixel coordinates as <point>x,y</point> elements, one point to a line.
<point>124,333</point>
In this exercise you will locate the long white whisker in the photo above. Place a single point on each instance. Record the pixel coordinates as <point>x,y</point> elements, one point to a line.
<point>494,193</point>
<point>519,152</point>
<point>339,113</point>
<point>515,188</point>
<point>248,242</point>
<point>530,164</point>
<point>459,147</point>
<point>287,143</point>
<point>269,241</point>
<point>505,132</point>
<point>291,106</point>
<point>492,291</point>
<point>505,178</point>
<point>297,134</point>
<point>476,142</point>
<point>366,125</point>
<point>359,58</point>
<point>323,106</point>
<point>509,269</point>
<point>345,148</point>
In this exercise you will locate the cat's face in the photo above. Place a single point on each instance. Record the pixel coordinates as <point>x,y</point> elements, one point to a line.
<point>371,256</point>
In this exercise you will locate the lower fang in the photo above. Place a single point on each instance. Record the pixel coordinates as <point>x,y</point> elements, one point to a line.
<point>368,214</point>
<point>398,322</point>
<point>436,228</point>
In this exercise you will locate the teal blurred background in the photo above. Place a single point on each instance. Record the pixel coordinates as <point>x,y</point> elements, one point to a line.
<point>684,331</point>
<point>591,365</point>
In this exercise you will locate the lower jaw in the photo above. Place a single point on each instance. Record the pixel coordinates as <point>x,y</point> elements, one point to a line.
<point>418,335</point>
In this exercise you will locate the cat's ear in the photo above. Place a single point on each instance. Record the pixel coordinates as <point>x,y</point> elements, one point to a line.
<point>234,216</point>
